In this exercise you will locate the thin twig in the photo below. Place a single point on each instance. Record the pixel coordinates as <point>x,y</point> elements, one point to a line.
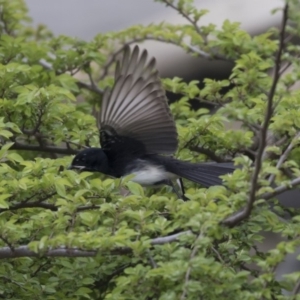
<point>188,272</point>
<point>296,288</point>
<point>151,260</point>
<point>218,255</point>
<point>281,141</point>
<point>12,281</point>
<point>39,120</point>
<point>39,268</point>
<point>284,156</point>
<point>210,103</point>
<point>245,213</point>
<point>5,240</point>
<point>285,67</point>
<point>210,154</point>
<point>91,87</point>
<point>75,144</point>
<point>185,15</point>
<point>189,48</point>
<point>113,58</point>
<point>201,53</point>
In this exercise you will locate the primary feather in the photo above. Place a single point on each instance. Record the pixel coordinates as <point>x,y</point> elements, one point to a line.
<point>137,107</point>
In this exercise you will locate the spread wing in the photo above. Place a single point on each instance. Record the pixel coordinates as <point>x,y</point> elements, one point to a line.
<point>136,109</point>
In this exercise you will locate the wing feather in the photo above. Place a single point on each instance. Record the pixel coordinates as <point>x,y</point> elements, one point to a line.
<point>137,107</point>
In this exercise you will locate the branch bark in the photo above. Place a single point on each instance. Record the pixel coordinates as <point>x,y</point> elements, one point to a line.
<point>43,148</point>
<point>237,217</point>
<point>285,155</point>
<point>24,251</point>
<point>245,213</point>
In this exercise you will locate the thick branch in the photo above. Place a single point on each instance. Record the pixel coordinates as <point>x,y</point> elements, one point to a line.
<point>41,204</point>
<point>169,238</point>
<point>24,251</point>
<point>237,217</point>
<point>280,189</point>
<point>43,148</point>
<point>36,204</point>
<point>245,213</point>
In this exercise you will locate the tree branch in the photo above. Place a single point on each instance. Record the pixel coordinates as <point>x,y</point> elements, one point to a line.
<point>189,48</point>
<point>43,148</point>
<point>36,204</point>
<point>245,213</point>
<point>208,153</point>
<point>285,155</point>
<point>91,87</point>
<point>41,204</point>
<point>185,15</point>
<point>169,238</point>
<point>296,288</point>
<point>280,189</point>
<point>24,251</point>
<point>237,217</point>
<point>188,272</point>
<point>26,204</point>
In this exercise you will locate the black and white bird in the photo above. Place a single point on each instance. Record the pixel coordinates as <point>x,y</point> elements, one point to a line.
<point>138,133</point>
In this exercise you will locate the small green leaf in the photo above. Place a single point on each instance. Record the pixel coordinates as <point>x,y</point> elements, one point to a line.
<point>3,203</point>
<point>15,157</point>
<point>60,188</point>
<point>135,188</point>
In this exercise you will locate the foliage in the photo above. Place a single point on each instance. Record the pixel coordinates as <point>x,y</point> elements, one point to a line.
<point>74,235</point>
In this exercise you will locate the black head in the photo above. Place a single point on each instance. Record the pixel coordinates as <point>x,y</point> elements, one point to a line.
<point>92,160</point>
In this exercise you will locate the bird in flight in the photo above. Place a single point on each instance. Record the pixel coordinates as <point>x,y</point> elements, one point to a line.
<point>138,133</point>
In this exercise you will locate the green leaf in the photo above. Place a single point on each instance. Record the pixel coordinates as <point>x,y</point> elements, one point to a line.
<point>3,203</point>
<point>60,188</point>
<point>15,157</point>
<point>135,188</point>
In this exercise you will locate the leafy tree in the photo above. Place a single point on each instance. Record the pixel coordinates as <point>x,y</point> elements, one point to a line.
<point>68,235</point>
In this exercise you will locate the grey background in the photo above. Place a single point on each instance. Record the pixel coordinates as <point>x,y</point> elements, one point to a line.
<point>85,19</point>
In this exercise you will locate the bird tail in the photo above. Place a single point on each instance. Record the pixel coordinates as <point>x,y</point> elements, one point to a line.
<point>206,174</point>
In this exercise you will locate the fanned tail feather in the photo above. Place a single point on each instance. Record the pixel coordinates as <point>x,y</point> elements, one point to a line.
<point>206,174</point>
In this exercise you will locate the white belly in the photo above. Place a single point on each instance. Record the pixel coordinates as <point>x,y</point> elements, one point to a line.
<point>151,175</point>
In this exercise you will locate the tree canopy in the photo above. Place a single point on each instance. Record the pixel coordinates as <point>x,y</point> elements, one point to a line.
<point>75,235</point>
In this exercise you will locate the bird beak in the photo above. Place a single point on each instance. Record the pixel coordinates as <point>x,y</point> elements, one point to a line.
<point>72,167</point>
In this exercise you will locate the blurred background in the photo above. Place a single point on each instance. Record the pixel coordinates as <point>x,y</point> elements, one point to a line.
<point>85,19</point>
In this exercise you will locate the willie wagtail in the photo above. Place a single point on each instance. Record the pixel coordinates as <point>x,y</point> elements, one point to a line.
<point>136,127</point>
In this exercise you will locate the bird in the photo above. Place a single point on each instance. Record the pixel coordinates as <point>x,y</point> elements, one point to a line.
<point>138,134</point>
